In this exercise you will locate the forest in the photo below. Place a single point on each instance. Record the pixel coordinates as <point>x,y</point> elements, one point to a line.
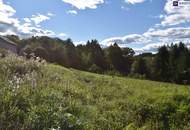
<point>170,64</point>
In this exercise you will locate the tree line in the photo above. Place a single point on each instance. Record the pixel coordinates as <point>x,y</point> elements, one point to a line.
<point>170,64</point>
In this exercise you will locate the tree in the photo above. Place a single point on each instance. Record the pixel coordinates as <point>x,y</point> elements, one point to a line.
<point>41,52</point>
<point>179,60</point>
<point>71,57</point>
<point>97,54</point>
<point>140,67</point>
<point>92,54</point>
<point>161,68</point>
<point>128,54</point>
<point>14,38</point>
<point>170,64</point>
<point>115,58</point>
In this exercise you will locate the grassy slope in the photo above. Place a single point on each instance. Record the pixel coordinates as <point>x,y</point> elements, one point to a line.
<point>72,99</point>
<point>116,101</point>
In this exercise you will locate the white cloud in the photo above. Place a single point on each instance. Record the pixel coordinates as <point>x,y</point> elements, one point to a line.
<point>152,39</point>
<point>112,40</point>
<point>176,33</point>
<point>149,48</point>
<point>24,28</point>
<point>73,12</point>
<point>6,9</point>
<point>176,19</point>
<point>27,20</point>
<point>134,1</point>
<point>50,14</point>
<point>27,30</point>
<point>62,35</point>
<point>161,16</point>
<point>37,19</point>
<point>8,25</point>
<point>175,15</point>
<point>83,4</point>
<point>128,39</point>
<point>6,12</point>
<point>153,47</point>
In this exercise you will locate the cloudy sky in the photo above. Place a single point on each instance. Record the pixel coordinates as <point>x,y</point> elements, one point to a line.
<point>143,25</point>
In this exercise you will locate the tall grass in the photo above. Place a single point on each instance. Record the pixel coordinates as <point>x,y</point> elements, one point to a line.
<point>39,96</point>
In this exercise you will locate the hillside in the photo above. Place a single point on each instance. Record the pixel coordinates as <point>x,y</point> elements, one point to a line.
<point>35,95</point>
<point>169,64</point>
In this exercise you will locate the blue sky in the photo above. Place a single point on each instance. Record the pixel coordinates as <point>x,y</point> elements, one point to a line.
<point>143,25</point>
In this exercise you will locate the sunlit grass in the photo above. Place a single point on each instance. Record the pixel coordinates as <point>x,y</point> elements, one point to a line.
<point>60,98</point>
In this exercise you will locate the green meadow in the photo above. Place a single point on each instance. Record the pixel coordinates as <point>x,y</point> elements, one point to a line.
<point>35,95</point>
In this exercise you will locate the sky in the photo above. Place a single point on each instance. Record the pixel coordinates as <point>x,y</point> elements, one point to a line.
<point>143,25</point>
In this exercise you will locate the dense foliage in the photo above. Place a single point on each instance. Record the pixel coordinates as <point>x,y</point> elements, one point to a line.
<point>172,64</point>
<point>169,64</point>
<point>35,95</point>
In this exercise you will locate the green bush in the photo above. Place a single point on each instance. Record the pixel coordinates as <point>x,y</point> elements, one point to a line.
<point>12,64</point>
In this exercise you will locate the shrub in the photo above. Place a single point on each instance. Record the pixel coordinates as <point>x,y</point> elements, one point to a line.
<point>95,68</point>
<point>13,64</point>
<point>3,53</point>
